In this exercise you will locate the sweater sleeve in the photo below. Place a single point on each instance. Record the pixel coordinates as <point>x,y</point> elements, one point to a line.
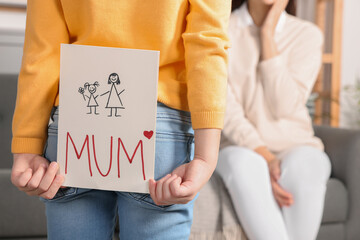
<point>292,77</point>
<point>39,75</point>
<point>206,43</point>
<point>238,129</point>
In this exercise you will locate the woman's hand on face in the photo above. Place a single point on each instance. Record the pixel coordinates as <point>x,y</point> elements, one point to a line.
<point>273,16</point>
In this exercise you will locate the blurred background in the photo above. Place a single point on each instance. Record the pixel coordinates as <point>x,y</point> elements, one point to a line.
<point>335,102</point>
<point>336,97</point>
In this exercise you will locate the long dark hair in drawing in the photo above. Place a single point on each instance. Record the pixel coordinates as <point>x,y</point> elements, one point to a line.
<point>92,103</point>
<point>114,101</point>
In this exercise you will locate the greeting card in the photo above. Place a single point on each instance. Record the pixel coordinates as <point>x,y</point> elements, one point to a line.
<point>107,117</point>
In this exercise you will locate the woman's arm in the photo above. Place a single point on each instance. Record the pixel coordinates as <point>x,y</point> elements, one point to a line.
<point>237,128</point>
<point>104,93</point>
<point>268,46</point>
<point>288,81</point>
<point>121,92</point>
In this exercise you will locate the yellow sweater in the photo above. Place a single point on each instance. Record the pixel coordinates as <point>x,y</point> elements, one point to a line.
<point>190,35</point>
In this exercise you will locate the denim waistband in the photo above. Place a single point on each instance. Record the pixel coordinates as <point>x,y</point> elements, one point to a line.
<point>162,110</point>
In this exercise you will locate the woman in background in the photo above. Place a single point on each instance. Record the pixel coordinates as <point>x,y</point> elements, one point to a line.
<point>271,162</point>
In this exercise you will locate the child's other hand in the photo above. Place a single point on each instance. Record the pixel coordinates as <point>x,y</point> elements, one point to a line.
<point>182,185</point>
<point>33,175</point>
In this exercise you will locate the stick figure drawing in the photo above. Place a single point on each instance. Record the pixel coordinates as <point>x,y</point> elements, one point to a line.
<point>114,101</point>
<point>92,103</point>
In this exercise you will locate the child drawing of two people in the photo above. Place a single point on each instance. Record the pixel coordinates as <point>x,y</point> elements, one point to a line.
<point>114,101</point>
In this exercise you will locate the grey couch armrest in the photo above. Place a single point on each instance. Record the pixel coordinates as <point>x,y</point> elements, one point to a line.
<point>8,86</point>
<point>343,148</point>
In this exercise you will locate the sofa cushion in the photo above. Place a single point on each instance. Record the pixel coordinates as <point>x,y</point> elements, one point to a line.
<point>336,202</point>
<point>331,231</point>
<point>214,214</point>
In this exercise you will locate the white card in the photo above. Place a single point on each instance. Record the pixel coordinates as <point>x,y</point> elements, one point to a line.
<point>107,117</point>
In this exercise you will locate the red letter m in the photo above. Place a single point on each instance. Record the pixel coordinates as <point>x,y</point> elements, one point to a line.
<point>132,157</point>
<point>76,151</point>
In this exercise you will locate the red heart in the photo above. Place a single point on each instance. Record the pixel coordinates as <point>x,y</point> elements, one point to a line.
<point>148,134</point>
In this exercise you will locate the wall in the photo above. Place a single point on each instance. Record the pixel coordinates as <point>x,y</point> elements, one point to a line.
<point>350,69</point>
<point>350,116</point>
<point>12,29</point>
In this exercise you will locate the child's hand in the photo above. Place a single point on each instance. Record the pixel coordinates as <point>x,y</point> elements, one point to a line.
<point>34,175</point>
<point>182,185</point>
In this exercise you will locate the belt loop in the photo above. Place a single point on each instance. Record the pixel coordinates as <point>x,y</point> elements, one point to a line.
<point>53,110</point>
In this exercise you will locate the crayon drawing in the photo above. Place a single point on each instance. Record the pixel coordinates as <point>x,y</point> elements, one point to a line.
<point>92,103</point>
<point>107,117</point>
<point>114,101</point>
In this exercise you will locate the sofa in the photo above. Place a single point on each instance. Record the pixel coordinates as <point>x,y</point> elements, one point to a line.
<point>214,216</point>
<point>23,217</point>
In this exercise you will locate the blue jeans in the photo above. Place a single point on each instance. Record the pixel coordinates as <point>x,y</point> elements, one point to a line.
<point>77,213</point>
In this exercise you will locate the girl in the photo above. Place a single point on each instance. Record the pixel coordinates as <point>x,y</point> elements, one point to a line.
<point>192,40</point>
<point>92,103</point>
<point>274,167</point>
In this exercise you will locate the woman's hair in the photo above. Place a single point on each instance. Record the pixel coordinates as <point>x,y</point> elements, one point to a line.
<point>114,75</point>
<point>290,8</point>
